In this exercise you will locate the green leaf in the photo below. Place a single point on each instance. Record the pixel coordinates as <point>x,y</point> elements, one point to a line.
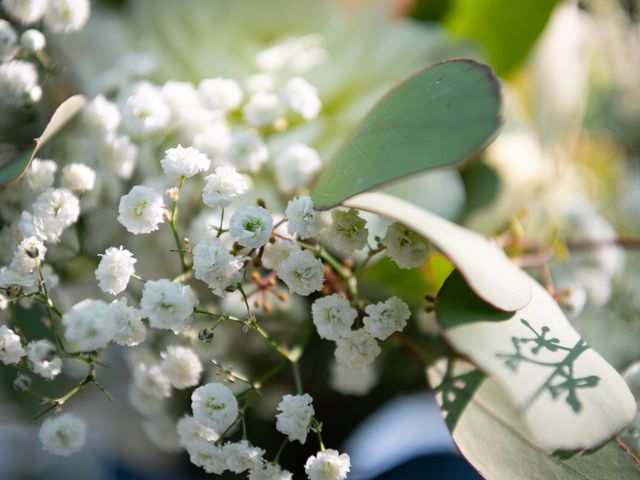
<point>506,30</point>
<point>483,264</point>
<point>438,117</point>
<point>490,434</point>
<point>481,184</point>
<point>388,279</point>
<point>567,395</point>
<point>13,170</point>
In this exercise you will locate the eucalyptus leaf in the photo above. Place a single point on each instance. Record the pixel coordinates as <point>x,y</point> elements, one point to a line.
<point>13,170</point>
<point>490,435</point>
<point>568,396</point>
<point>485,267</point>
<point>438,117</point>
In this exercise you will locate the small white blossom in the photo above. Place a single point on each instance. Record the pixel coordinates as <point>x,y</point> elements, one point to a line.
<point>52,212</point>
<point>300,97</point>
<point>348,232</point>
<point>182,366</point>
<point>213,140</point>
<point>356,349</point>
<point>207,455</point>
<point>40,175</point>
<point>129,330</point>
<point>10,278</point>
<point>223,186</point>
<point>161,432</point>
<point>352,381</point>
<point>295,166</point>
<point>405,247</point>
<point>63,435</point>
<point>33,41</point>
<point>214,406</point>
<point>78,177</point>
<point>247,151</point>
<point>141,210</point>
<point>89,325</point>
<point>328,465</point>
<point>101,115</point>
<point>302,272</point>
<point>144,111</point>
<point>385,318</point>
<point>152,381</point>
<point>251,226</point>
<point>4,302</point>
<point>269,471</point>
<point>19,84</point>
<point>184,161</point>
<point>303,220</point>
<point>119,154</point>
<point>144,402</point>
<point>242,456</point>
<point>115,269</point>
<point>167,304</point>
<point>221,94</point>
<point>11,350</point>
<point>295,417</point>
<point>190,431</point>
<point>8,41</point>
<point>29,254</point>
<point>214,265</point>
<point>333,316</point>
<point>44,362</point>
<point>262,109</point>
<point>25,11</point>
<point>66,15</point>
<point>276,253</point>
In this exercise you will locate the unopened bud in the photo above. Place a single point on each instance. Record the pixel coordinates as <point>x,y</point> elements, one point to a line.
<point>22,382</point>
<point>206,335</point>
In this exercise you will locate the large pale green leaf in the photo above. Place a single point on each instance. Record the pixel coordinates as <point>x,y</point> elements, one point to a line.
<point>567,395</point>
<point>440,116</point>
<point>13,170</point>
<point>482,263</point>
<point>489,433</point>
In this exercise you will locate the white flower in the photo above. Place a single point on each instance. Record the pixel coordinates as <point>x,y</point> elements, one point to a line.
<point>25,11</point>
<point>247,151</point>
<point>190,431</point>
<point>356,349</point>
<point>223,186</point>
<point>262,109</point>
<point>631,375</point>
<point>115,269</point>
<point>300,97</point>
<point>63,435</point>
<point>152,381</point>
<point>348,232</point>
<point>33,41</point>
<point>144,111</point>
<point>221,94</point>
<point>118,153</point>
<point>89,325</point>
<point>52,212</point>
<point>387,317</point>
<point>78,177</point>
<point>167,304</point>
<point>8,41</point>
<point>333,316</point>
<point>128,327</point>
<point>40,175</point>
<point>276,253</point>
<point>302,272</point>
<point>184,161</point>
<point>4,302</point>
<point>144,402</point>
<point>405,247</point>
<point>214,265</point>
<point>9,278</point>
<point>328,465</point>
<point>66,15</point>
<point>29,254</point>
<point>161,431</point>
<point>101,115</point>
<point>269,471</point>
<point>19,84</point>
<point>242,456</point>
<point>352,381</point>
<point>214,406</point>
<point>213,140</point>
<point>303,220</point>
<point>11,350</point>
<point>295,166</point>
<point>295,417</point>
<point>141,210</point>
<point>182,366</point>
<point>44,362</point>
<point>251,226</point>
<point>207,455</point>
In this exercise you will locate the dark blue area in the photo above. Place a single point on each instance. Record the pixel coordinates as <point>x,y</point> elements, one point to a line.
<point>432,467</point>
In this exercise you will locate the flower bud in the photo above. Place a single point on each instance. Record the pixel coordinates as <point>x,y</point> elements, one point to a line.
<point>206,335</point>
<point>22,383</point>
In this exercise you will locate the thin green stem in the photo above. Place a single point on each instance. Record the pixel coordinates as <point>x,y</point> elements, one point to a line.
<point>220,229</point>
<point>276,459</point>
<point>297,377</point>
<point>174,228</point>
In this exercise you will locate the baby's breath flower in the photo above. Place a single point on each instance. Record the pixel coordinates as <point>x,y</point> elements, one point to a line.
<point>152,381</point>
<point>242,456</point>
<point>221,94</point>
<point>118,154</point>
<point>214,406</point>
<point>262,109</point>
<point>213,140</point>
<point>53,211</point>
<point>63,435</point>
<point>352,381</point>
<point>223,186</point>
<point>25,11</point>
<point>301,98</point>
<point>387,317</point>
<point>295,166</point>
<point>269,471</point>
<point>251,226</point>
<point>182,366</point>
<point>213,264</point>
<point>190,431</point>
<point>167,304</point>
<point>295,417</point>
<point>8,41</point>
<point>78,177</point>
<point>29,254</point>
<point>184,161</point>
<point>40,175</point>
<point>405,247</point>
<point>19,84</point>
<point>348,232</point>
<point>115,269</point>
<point>356,349</point>
<point>333,316</point>
<point>328,465</point>
<point>141,210</point>
<point>302,272</point>
<point>247,151</point>
<point>43,359</point>
<point>89,325</point>
<point>161,431</point>
<point>303,220</point>
<point>101,115</point>
<point>33,41</point>
<point>207,455</point>
<point>128,326</point>
<point>66,15</point>
<point>276,253</point>
<point>11,350</point>
<point>144,111</point>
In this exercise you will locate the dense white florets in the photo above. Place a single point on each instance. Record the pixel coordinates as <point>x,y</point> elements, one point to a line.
<point>356,349</point>
<point>328,465</point>
<point>26,12</point>
<point>78,177</point>
<point>214,406</point>
<point>385,318</point>
<point>242,456</point>
<point>66,15</point>
<point>214,265</point>
<point>141,210</point>
<point>129,330</point>
<point>300,97</point>
<point>167,304</point>
<point>333,316</point>
<point>348,232</point>
<point>295,417</point>
<point>19,84</point>
<point>89,325</point>
<point>221,94</point>
<point>115,269</point>
<point>302,272</point>
<point>43,360</point>
<point>182,366</point>
<point>33,41</point>
<point>405,247</point>
<point>251,226</point>
<point>144,111</point>
<point>223,186</point>
<point>63,435</point>
<point>8,41</point>
<point>295,166</point>
<point>303,220</point>
<point>184,161</point>
<point>247,151</point>
<point>11,350</point>
<point>52,212</point>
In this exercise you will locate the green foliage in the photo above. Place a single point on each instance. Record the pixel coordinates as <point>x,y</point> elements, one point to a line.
<point>481,184</point>
<point>438,117</point>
